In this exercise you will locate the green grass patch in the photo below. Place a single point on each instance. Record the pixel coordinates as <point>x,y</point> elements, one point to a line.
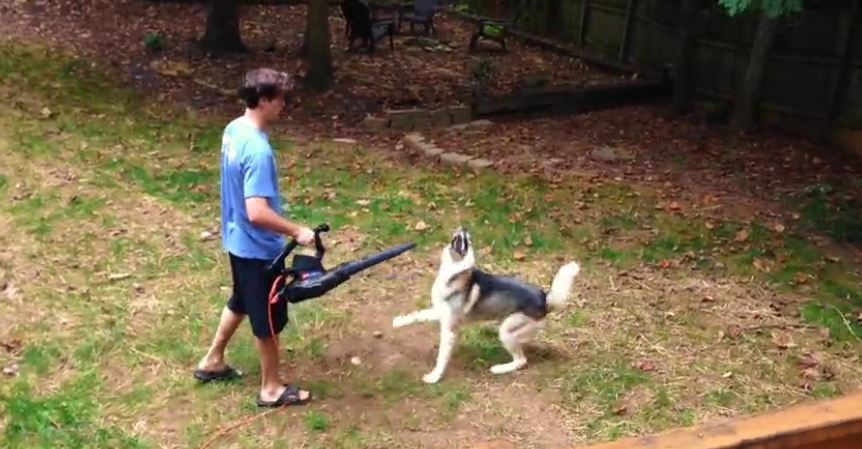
<point>833,212</point>
<point>839,321</point>
<point>40,358</point>
<point>480,347</point>
<point>605,383</point>
<point>68,419</point>
<point>316,421</point>
<point>624,400</point>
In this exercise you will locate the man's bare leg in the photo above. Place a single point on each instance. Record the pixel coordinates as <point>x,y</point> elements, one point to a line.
<point>214,358</point>
<point>271,386</point>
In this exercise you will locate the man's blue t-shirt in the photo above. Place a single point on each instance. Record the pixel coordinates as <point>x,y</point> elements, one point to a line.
<point>247,170</point>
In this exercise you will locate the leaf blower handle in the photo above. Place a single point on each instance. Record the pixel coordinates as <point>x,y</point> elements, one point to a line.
<point>318,244</point>
<point>273,267</point>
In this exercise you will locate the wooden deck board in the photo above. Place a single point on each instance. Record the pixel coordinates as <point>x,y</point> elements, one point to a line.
<point>832,424</point>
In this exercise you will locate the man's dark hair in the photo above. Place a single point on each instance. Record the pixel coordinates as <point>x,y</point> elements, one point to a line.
<point>264,83</point>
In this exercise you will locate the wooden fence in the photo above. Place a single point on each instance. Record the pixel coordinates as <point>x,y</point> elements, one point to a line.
<point>813,80</point>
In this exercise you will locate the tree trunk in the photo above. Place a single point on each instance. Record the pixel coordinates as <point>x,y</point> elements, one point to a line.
<point>222,32</point>
<point>319,76</point>
<point>303,52</point>
<point>683,67</point>
<point>748,100</point>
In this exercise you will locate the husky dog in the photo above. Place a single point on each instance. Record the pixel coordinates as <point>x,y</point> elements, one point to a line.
<point>464,293</point>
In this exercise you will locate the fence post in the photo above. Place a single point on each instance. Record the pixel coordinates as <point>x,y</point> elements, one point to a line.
<point>624,43</point>
<point>582,30</point>
<point>839,87</point>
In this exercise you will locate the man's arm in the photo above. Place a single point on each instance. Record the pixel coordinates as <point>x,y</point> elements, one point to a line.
<point>260,214</point>
<point>258,187</point>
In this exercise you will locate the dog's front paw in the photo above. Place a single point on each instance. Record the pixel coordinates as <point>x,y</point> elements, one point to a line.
<point>504,368</point>
<point>432,377</point>
<point>400,321</point>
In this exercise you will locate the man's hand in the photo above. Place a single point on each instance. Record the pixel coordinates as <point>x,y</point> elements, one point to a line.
<point>305,236</point>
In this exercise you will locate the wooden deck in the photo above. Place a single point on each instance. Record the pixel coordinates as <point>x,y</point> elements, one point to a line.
<point>830,424</point>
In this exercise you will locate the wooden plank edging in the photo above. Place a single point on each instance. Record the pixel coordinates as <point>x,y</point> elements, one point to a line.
<point>832,424</point>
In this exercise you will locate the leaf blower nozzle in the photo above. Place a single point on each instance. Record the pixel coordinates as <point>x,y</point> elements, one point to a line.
<point>311,279</point>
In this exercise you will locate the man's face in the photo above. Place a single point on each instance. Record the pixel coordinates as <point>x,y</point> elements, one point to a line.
<point>272,108</point>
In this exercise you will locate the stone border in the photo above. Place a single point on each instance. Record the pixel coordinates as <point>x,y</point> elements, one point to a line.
<point>416,142</point>
<point>416,119</point>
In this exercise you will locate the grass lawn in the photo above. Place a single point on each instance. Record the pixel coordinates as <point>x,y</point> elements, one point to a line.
<point>111,283</point>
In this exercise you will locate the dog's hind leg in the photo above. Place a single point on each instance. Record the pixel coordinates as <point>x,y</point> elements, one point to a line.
<point>516,330</point>
<point>420,316</point>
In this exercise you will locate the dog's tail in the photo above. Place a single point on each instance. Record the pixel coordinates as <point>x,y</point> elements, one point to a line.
<point>561,287</point>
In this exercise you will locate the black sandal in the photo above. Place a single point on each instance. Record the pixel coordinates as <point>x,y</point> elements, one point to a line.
<point>226,373</point>
<point>290,396</point>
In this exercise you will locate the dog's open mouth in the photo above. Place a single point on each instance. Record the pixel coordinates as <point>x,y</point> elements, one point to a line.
<point>460,242</point>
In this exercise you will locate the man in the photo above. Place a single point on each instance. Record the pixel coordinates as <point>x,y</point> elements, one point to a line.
<point>252,229</point>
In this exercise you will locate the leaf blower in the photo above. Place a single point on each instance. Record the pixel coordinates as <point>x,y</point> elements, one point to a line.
<point>310,279</point>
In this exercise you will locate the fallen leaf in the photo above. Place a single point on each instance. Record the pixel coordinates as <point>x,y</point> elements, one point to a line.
<point>645,365</point>
<point>741,235</point>
<point>708,298</point>
<point>11,346</point>
<point>808,360</point>
<point>9,291</point>
<point>727,375</point>
<point>782,340</point>
<point>420,226</point>
<point>811,373</point>
<point>519,255</point>
<point>761,265</point>
<point>827,372</point>
<point>621,409</point>
<point>46,112</point>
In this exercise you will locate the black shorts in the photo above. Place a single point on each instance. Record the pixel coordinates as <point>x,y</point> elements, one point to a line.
<point>251,286</point>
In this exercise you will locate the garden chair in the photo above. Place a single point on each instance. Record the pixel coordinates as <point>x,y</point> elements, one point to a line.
<point>494,29</point>
<point>422,13</point>
<point>362,25</point>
